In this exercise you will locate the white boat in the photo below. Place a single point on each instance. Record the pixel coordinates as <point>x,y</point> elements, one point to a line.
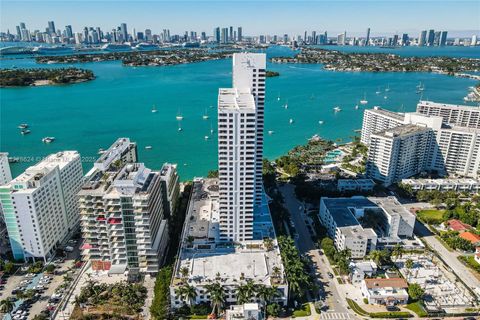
<point>23,126</point>
<point>271,132</point>
<point>180,129</point>
<point>356,107</point>
<point>364,100</point>
<point>290,121</point>
<point>387,88</point>
<point>385,97</point>
<point>48,139</point>
<point>101,151</point>
<point>320,122</point>
<point>25,131</point>
<point>337,109</point>
<point>286,105</point>
<point>207,137</point>
<point>179,117</point>
<point>378,91</point>
<point>154,109</point>
<point>148,147</point>
<point>205,115</point>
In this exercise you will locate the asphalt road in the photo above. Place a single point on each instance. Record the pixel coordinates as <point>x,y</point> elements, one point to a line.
<point>328,292</point>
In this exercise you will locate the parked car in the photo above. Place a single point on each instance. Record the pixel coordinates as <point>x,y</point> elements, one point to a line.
<point>330,275</point>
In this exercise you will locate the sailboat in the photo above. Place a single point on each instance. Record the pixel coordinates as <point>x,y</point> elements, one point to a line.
<point>278,98</point>
<point>179,127</point>
<point>378,91</point>
<point>387,88</point>
<point>356,107</point>
<point>337,109</point>
<point>286,105</point>
<point>270,132</point>
<point>290,121</point>
<point>205,115</point>
<point>364,101</point>
<point>320,122</point>
<point>154,109</point>
<point>179,117</point>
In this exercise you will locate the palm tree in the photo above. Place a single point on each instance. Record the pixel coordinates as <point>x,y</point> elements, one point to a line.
<point>266,295</point>
<point>184,272</point>
<point>7,306</point>
<point>268,244</point>
<point>246,291</point>
<point>276,272</point>
<point>377,256</point>
<point>187,293</point>
<point>217,296</point>
<point>397,251</point>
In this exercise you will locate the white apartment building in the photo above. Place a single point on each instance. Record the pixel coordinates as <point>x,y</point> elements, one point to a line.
<point>389,291</point>
<point>460,185</point>
<point>236,163</point>
<point>122,214</point>
<point>207,259</point>
<point>5,173</point>
<point>170,187</point>
<point>39,205</point>
<point>249,73</point>
<point>447,148</point>
<point>398,153</point>
<point>460,115</point>
<point>342,218</point>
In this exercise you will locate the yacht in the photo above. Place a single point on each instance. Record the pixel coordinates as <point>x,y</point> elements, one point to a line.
<point>271,132</point>
<point>385,97</point>
<point>356,107</point>
<point>23,126</point>
<point>179,117</point>
<point>205,115</point>
<point>48,139</point>
<point>101,151</point>
<point>154,109</point>
<point>286,105</point>
<point>148,147</point>
<point>180,129</point>
<point>364,100</point>
<point>25,131</point>
<point>378,91</point>
<point>207,137</point>
<point>320,122</point>
<point>290,121</point>
<point>387,88</point>
<point>337,109</point>
<point>278,98</point>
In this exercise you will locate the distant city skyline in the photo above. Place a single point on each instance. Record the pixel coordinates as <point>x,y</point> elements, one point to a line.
<point>384,18</point>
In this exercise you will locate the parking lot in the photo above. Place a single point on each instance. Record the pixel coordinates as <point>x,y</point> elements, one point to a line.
<point>34,293</point>
<point>442,291</point>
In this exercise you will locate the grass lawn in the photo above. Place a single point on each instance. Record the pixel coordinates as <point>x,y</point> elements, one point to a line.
<point>470,262</point>
<point>417,307</point>
<point>303,311</point>
<point>431,216</point>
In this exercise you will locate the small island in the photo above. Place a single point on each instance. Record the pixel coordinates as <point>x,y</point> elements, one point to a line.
<point>381,62</point>
<point>144,58</point>
<point>270,74</point>
<point>41,77</point>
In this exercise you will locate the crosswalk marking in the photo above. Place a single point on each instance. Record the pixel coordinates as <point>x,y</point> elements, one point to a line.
<point>335,316</point>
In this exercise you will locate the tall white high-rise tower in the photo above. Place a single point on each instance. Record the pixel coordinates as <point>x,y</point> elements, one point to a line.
<point>240,146</point>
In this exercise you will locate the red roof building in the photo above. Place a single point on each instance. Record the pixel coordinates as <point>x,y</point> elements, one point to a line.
<point>457,225</point>
<point>472,237</point>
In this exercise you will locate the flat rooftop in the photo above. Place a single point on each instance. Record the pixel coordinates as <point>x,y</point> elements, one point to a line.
<point>207,258</point>
<point>235,98</point>
<point>341,209</point>
<point>388,113</point>
<point>447,106</point>
<point>403,130</point>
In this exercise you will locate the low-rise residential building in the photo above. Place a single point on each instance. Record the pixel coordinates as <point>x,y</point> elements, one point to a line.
<point>389,291</point>
<point>453,184</point>
<point>361,270</point>
<point>122,214</point>
<point>247,311</point>
<point>40,207</point>
<point>457,225</point>
<point>349,222</point>
<point>360,185</point>
<point>472,237</point>
<point>204,258</point>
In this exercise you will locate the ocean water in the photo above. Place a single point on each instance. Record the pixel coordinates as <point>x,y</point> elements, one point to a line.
<point>91,115</point>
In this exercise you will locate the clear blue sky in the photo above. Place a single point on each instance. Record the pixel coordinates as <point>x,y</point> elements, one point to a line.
<point>272,17</point>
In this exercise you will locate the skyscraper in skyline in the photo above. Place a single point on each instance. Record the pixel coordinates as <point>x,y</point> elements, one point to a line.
<point>431,37</point>
<point>68,31</point>
<point>422,38</point>
<point>51,27</point>
<point>443,38</point>
<point>123,32</point>
<point>367,38</point>
<point>239,34</point>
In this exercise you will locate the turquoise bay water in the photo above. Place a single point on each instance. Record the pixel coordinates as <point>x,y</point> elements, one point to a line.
<point>89,116</point>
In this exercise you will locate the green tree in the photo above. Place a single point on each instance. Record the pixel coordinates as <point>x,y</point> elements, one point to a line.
<point>409,264</point>
<point>7,306</point>
<point>268,244</point>
<point>266,294</point>
<point>217,296</point>
<point>9,267</point>
<point>274,309</point>
<point>397,251</point>
<point>246,291</point>
<point>415,292</point>
<point>187,293</point>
